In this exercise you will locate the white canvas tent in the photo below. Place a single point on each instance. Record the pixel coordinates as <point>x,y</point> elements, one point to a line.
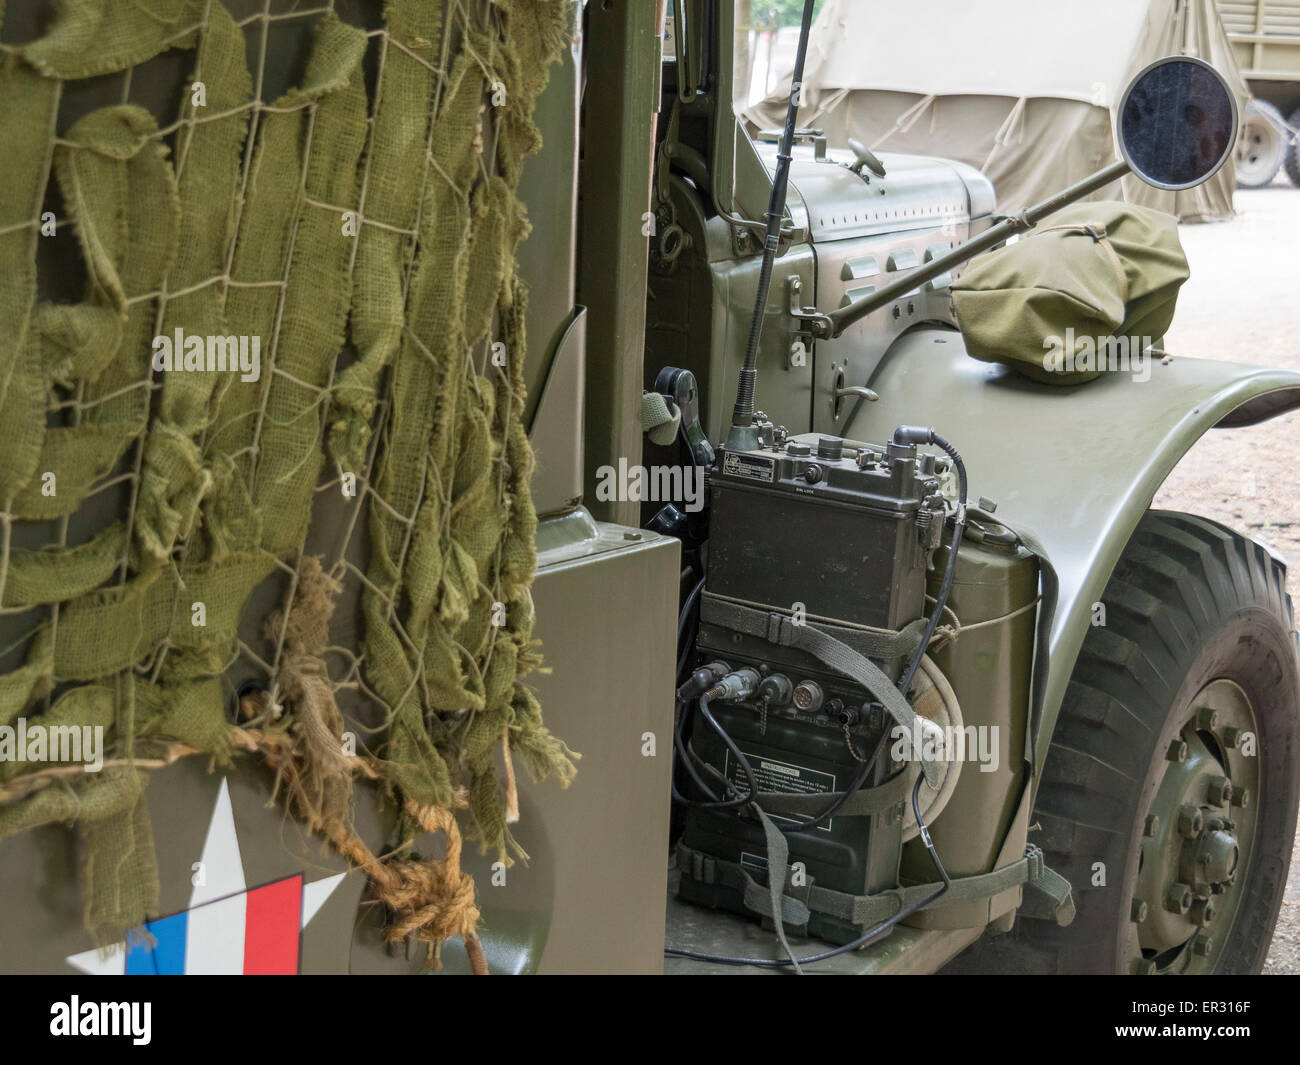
<point>1026,90</point>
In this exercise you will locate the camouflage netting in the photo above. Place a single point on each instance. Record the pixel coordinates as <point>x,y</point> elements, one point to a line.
<point>363,226</point>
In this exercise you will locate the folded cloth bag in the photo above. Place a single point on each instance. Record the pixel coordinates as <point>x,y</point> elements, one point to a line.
<point>1087,293</point>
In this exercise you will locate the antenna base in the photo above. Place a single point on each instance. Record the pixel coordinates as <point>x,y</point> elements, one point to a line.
<point>742,438</point>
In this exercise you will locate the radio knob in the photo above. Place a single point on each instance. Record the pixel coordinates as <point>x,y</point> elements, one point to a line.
<point>830,448</point>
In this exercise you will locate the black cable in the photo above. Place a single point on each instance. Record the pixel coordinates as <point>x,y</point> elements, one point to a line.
<point>679,745</point>
<point>683,623</point>
<point>862,940</point>
<point>741,760</point>
<point>959,527</point>
<point>714,802</point>
<point>685,614</point>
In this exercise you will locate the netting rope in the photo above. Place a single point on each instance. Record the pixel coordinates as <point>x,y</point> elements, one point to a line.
<point>358,232</point>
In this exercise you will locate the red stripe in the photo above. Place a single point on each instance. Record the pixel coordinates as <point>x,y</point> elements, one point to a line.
<point>272,921</point>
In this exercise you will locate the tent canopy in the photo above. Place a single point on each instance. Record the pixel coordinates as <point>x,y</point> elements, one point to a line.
<point>1023,90</point>
<point>1074,51</point>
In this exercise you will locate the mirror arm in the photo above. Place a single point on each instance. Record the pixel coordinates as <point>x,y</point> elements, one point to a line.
<point>829,326</point>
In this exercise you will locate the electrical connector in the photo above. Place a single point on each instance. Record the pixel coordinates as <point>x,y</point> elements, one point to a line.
<point>738,685</point>
<point>701,680</point>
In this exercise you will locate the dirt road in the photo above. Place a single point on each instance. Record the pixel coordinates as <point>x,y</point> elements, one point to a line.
<point>1242,304</point>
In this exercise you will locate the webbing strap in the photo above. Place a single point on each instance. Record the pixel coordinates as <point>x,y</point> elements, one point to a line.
<point>660,418</point>
<point>1097,231</point>
<point>781,629</point>
<point>778,857</point>
<point>1050,897</point>
<point>1030,870</point>
<point>882,644</point>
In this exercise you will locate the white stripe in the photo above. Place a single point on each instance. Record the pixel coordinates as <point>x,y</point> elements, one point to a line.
<point>223,870</point>
<point>315,894</point>
<point>214,940</point>
<point>96,963</point>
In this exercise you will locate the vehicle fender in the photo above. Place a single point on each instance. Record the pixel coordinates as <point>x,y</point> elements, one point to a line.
<point>1077,466</point>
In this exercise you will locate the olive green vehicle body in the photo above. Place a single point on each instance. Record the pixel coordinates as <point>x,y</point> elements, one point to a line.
<point>1265,38</point>
<point>1078,466</point>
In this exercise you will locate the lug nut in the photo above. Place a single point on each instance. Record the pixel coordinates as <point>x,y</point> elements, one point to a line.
<point>1178,899</point>
<point>1202,945</point>
<point>1231,737</point>
<point>1138,911</point>
<point>1190,821</point>
<point>1203,911</point>
<point>1177,751</point>
<point>1206,719</point>
<point>1241,798</point>
<point>1152,825</point>
<point>1219,854</point>
<point>1218,791</point>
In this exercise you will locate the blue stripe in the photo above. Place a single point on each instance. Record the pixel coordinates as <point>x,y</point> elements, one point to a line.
<point>167,958</point>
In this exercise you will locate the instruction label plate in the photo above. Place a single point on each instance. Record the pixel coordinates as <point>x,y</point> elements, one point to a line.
<point>773,775</point>
<point>749,467</point>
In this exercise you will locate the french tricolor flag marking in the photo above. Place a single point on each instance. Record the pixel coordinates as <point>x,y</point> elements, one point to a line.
<point>229,929</point>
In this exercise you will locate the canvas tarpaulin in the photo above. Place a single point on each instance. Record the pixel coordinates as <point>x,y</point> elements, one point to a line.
<point>1023,90</point>
<point>1091,290</point>
<point>361,227</point>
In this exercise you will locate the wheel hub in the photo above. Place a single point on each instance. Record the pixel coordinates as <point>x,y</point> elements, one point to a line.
<point>1197,836</point>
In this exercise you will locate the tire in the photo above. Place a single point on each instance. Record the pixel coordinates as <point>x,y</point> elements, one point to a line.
<point>1262,145</point>
<point>1293,153</point>
<point>1190,603</point>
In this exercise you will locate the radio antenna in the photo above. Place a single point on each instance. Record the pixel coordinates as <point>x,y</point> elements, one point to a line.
<point>743,435</point>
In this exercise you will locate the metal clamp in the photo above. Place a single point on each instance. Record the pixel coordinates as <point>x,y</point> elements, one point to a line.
<point>817,320</point>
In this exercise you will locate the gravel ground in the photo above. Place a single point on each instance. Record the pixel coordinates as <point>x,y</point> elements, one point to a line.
<point>1241,305</point>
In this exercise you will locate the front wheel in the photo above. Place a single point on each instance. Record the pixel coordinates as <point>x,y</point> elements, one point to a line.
<point>1169,794</point>
<point>1293,153</point>
<point>1262,146</point>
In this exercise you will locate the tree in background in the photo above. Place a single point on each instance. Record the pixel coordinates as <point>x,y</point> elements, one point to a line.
<point>760,59</point>
<point>774,14</point>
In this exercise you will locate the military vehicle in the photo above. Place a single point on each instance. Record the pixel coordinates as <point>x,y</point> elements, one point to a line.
<point>970,694</point>
<point>1265,38</point>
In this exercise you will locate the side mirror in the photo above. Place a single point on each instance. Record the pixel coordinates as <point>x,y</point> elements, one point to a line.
<point>1177,123</point>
